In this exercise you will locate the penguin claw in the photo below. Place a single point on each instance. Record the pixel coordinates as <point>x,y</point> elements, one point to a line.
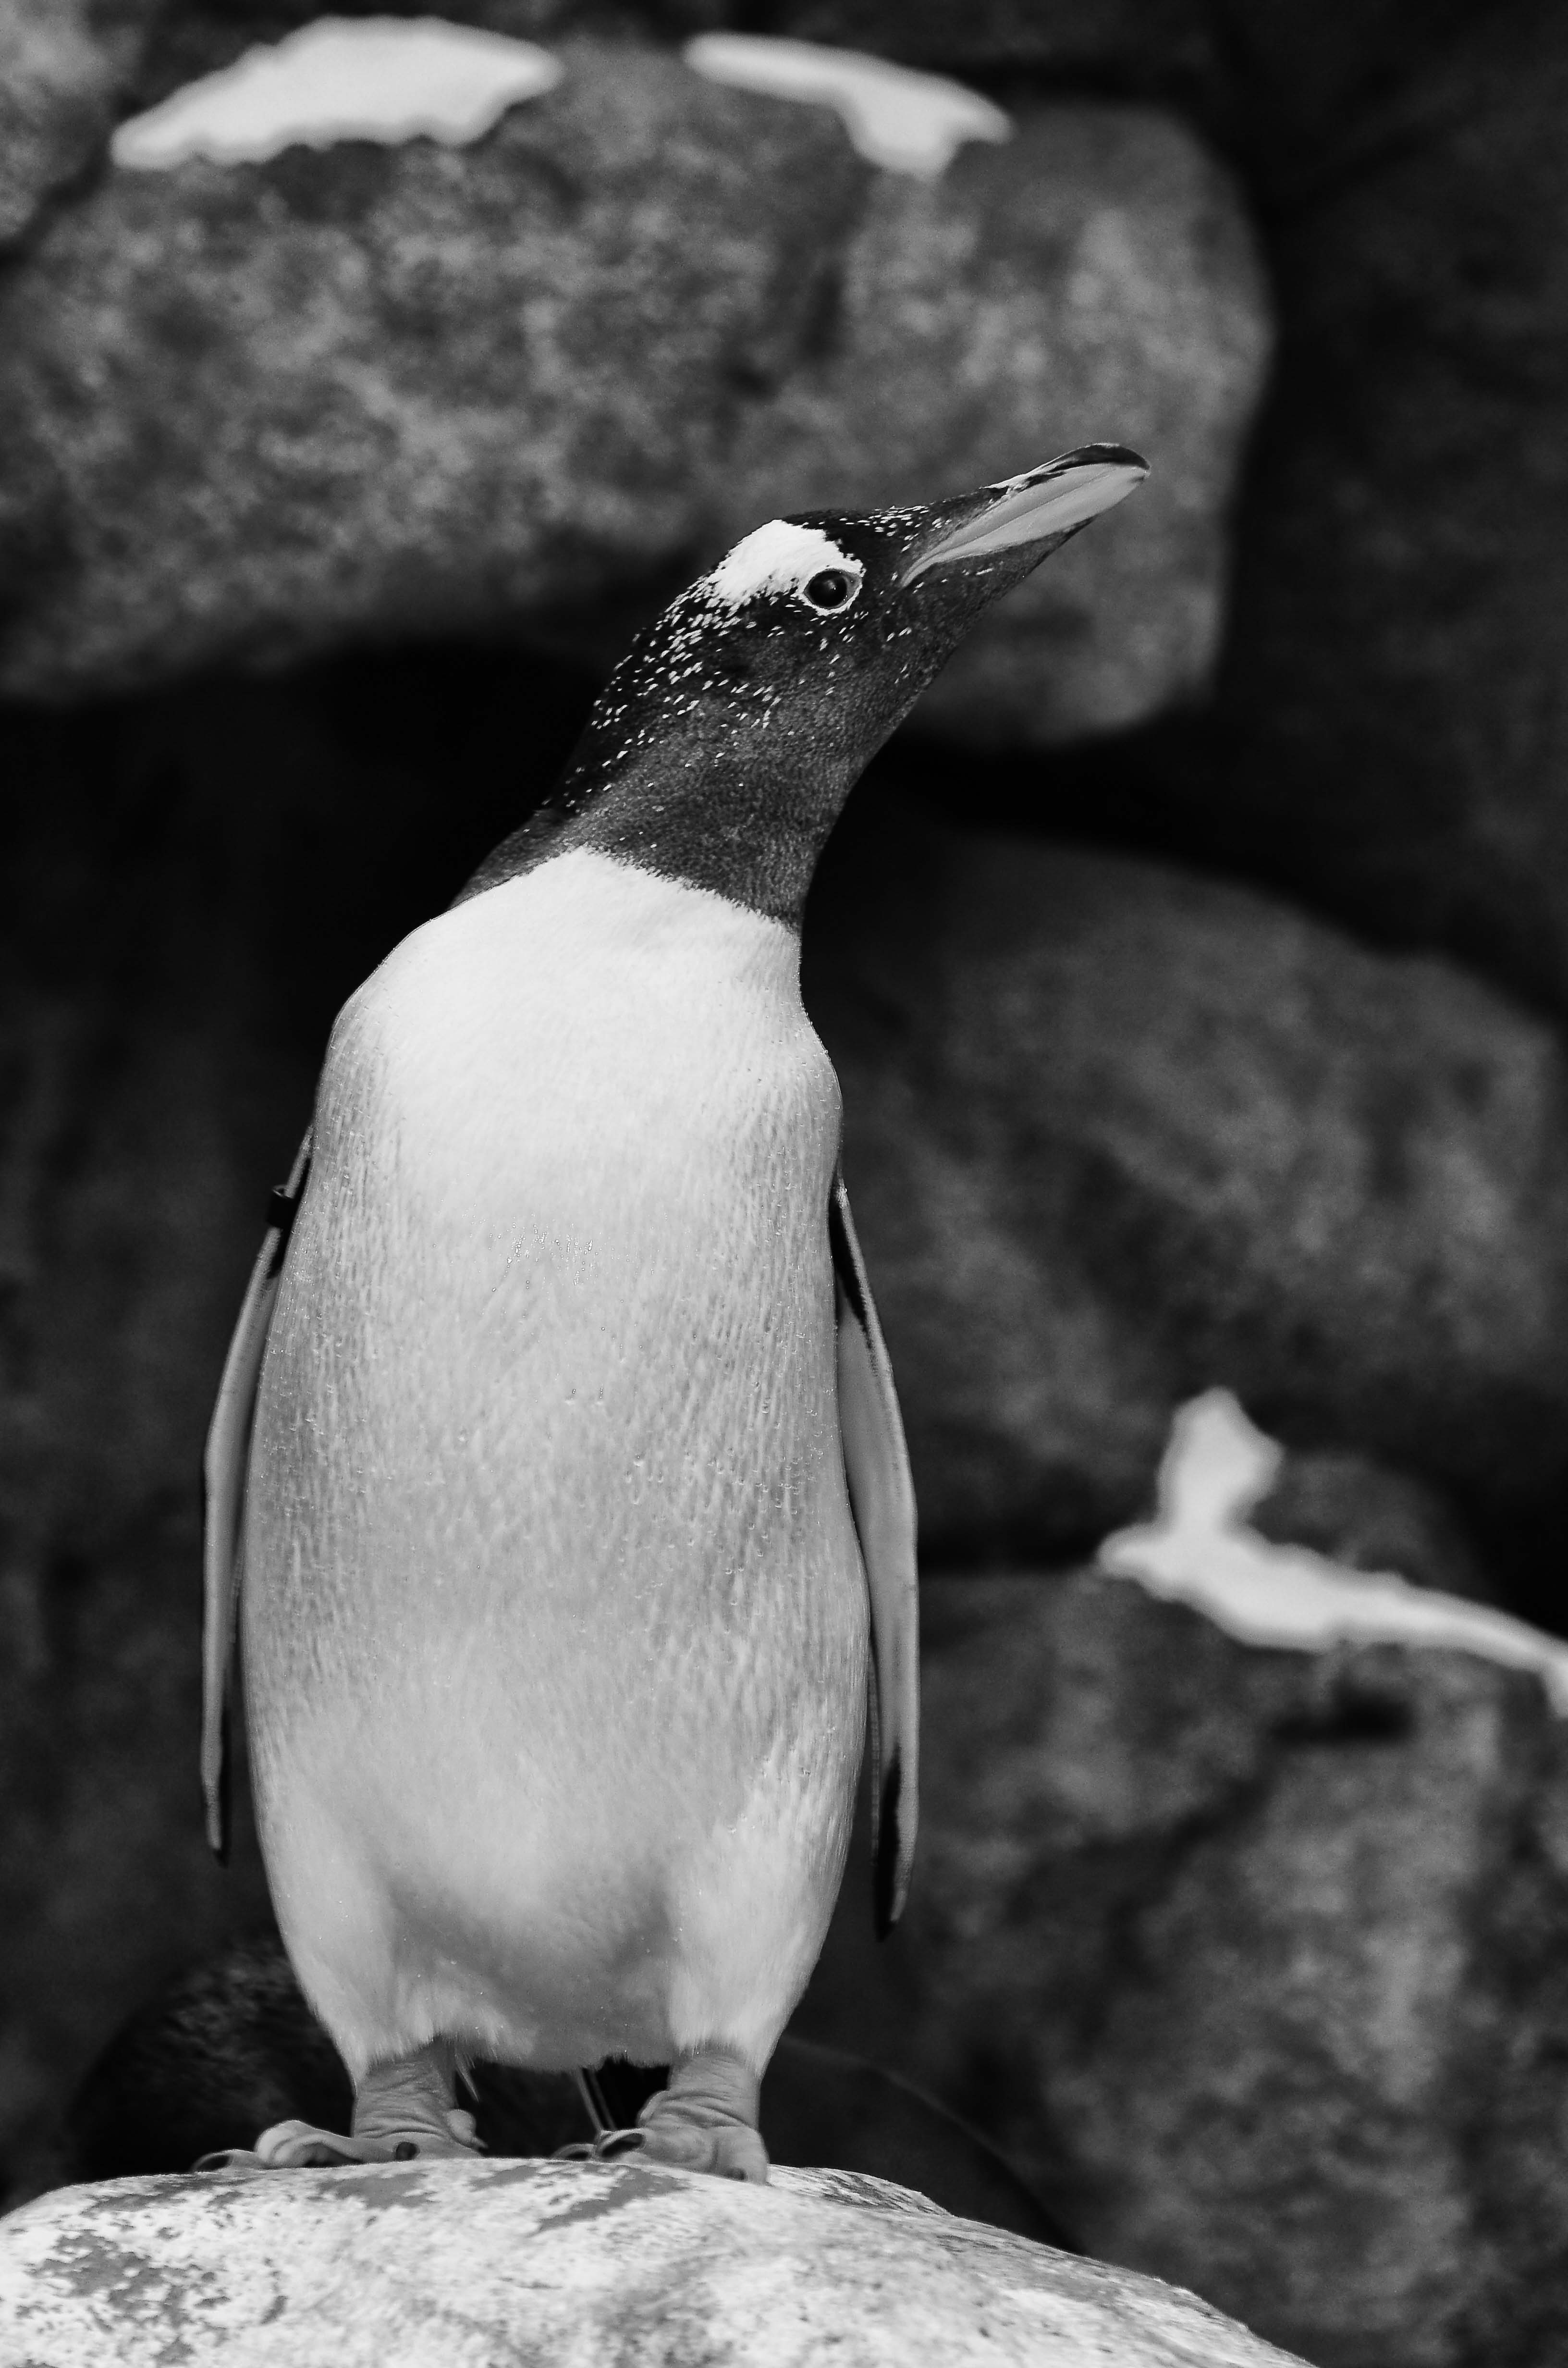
<point>723,2153</point>
<point>606,2148</point>
<point>612,2143</point>
<point>729,2152</point>
<point>298,2146</point>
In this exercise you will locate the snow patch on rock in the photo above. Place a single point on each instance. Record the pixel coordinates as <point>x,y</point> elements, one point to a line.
<point>1199,1551</point>
<point>904,121</point>
<point>383,78</point>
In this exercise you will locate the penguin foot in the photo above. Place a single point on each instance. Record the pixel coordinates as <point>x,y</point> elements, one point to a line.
<point>705,2120</point>
<point>404,2112</point>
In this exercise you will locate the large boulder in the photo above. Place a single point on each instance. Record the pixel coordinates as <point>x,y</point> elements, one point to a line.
<point>1282,89</point>
<point>545,2265</point>
<point>1256,1956</point>
<point>1389,736</point>
<point>1091,277</point>
<point>248,411</point>
<point>251,409</point>
<point>1115,1132</point>
<point>60,65</point>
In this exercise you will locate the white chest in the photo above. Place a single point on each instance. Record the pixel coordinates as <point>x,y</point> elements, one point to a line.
<point>579,1059</point>
<point>555,1626</point>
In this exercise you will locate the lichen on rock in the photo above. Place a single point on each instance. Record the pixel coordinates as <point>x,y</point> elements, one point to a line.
<point>548,2265</point>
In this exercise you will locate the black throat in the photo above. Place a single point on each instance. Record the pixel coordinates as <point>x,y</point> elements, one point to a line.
<point>707,820</point>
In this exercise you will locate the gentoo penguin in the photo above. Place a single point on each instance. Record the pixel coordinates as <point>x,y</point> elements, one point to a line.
<point>230,2043</point>
<point>557,1444</point>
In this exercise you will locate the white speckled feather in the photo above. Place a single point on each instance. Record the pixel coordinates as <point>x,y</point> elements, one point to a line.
<point>556,1683</point>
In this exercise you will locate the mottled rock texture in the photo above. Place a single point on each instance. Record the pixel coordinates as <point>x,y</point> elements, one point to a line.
<point>250,412</point>
<point>1094,268</point>
<point>360,390</point>
<point>61,62</point>
<point>1115,1132</point>
<point>505,2265</point>
<point>1257,1956</point>
<point>1364,1516</point>
<point>1389,737</point>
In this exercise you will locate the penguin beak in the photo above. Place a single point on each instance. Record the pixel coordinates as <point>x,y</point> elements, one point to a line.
<point>1026,517</point>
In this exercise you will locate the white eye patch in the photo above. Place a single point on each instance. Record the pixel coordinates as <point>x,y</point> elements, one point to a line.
<point>779,557</point>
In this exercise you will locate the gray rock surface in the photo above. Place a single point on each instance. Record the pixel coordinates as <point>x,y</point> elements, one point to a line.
<point>1115,1132</point>
<point>250,412</point>
<point>254,409</point>
<point>1391,741</point>
<point>505,2265</point>
<point>1367,1518</point>
<point>1257,1956</point>
<point>1093,277</point>
<point>1288,90</point>
<point>1389,737</point>
<point>61,62</point>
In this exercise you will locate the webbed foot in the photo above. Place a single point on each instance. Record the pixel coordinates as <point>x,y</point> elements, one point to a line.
<point>402,2111</point>
<point>705,2120</point>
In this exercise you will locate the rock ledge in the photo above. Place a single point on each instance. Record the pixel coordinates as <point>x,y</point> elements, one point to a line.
<point>510,2264</point>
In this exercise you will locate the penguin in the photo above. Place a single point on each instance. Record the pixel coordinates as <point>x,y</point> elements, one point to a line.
<point>556,1486</point>
<point>230,2038</point>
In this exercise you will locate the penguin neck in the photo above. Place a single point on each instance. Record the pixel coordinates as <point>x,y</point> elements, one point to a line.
<point>744,829</point>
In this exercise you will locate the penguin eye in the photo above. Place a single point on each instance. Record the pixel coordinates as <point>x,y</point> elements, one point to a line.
<point>833,588</point>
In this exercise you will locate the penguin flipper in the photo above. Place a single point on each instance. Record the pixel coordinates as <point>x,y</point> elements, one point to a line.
<point>223,1475</point>
<point>882,1496</point>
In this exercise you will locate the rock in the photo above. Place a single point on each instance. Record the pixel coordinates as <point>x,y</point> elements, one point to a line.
<point>1359,1513</point>
<point>1202,1548</point>
<point>1115,1132</point>
<point>1096,269</point>
<point>59,62</point>
<point>530,384</point>
<point>1388,738</point>
<point>1257,1955</point>
<point>543,2262</point>
<point>229,2046</point>
<point>1285,92</point>
<point>251,410</point>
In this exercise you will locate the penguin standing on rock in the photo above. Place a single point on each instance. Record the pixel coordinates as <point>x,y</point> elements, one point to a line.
<point>557,1444</point>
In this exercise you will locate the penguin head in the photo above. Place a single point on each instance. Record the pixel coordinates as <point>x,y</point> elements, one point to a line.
<point>726,741</point>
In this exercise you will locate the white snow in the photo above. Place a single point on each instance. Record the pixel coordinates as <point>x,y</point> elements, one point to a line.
<point>1199,1551</point>
<point>385,78</point>
<point>907,122</point>
<point>776,557</point>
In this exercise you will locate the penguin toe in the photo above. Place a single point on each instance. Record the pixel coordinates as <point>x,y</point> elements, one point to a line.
<point>299,2146</point>
<point>728,2152</point>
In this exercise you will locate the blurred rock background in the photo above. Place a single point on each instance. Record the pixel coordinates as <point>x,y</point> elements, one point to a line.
<point>1197,964</point>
